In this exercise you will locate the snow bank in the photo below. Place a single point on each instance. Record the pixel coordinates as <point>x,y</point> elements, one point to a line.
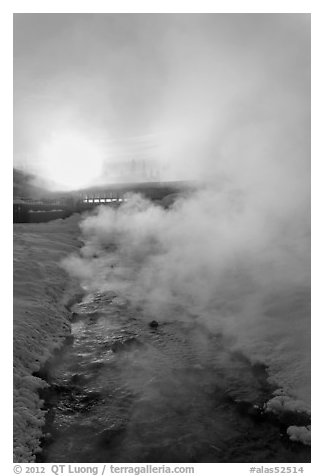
<point>41,320</point>
<point>300,433</point>
<point>284,403</point>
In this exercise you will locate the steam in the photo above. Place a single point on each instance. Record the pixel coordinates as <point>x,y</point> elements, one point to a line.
<point>197,96</point>
<point>214,259</point>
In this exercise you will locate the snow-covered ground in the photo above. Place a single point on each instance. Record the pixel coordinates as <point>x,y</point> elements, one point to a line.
<point>41,320</point>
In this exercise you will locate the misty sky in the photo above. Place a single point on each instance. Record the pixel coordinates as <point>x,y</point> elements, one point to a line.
<point>201,94</point>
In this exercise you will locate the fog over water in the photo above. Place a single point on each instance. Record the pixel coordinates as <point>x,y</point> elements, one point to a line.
<point>211,261</point>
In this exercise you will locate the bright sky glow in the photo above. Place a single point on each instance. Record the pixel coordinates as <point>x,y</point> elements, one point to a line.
<point>195,96</point>
<point>71,160</point>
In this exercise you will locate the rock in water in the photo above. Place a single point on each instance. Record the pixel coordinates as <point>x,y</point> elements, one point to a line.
<point>154,324</point>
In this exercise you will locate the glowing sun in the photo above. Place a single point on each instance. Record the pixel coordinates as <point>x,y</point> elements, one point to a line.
<point>71,160</point>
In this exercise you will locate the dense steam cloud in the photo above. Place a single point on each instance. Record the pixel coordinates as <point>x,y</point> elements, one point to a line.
<point>215,260</point>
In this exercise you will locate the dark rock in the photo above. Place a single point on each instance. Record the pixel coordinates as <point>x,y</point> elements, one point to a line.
<point>154,324</point>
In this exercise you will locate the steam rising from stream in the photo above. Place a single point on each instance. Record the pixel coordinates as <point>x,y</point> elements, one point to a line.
<point>218,258</point>
<point>234,255</point>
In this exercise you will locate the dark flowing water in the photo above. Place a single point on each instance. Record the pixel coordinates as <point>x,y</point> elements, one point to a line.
<point>122,391</point>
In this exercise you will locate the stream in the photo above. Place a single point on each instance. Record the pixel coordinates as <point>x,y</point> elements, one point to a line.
<point>123,391</point>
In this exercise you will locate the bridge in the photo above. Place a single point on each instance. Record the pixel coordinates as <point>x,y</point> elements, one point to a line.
<point>38,210</point>
<point>111,197</point>
<point>26,210</point>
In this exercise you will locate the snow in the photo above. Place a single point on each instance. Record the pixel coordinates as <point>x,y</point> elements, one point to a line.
<point>40,319</point>
<point>300,433</point>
